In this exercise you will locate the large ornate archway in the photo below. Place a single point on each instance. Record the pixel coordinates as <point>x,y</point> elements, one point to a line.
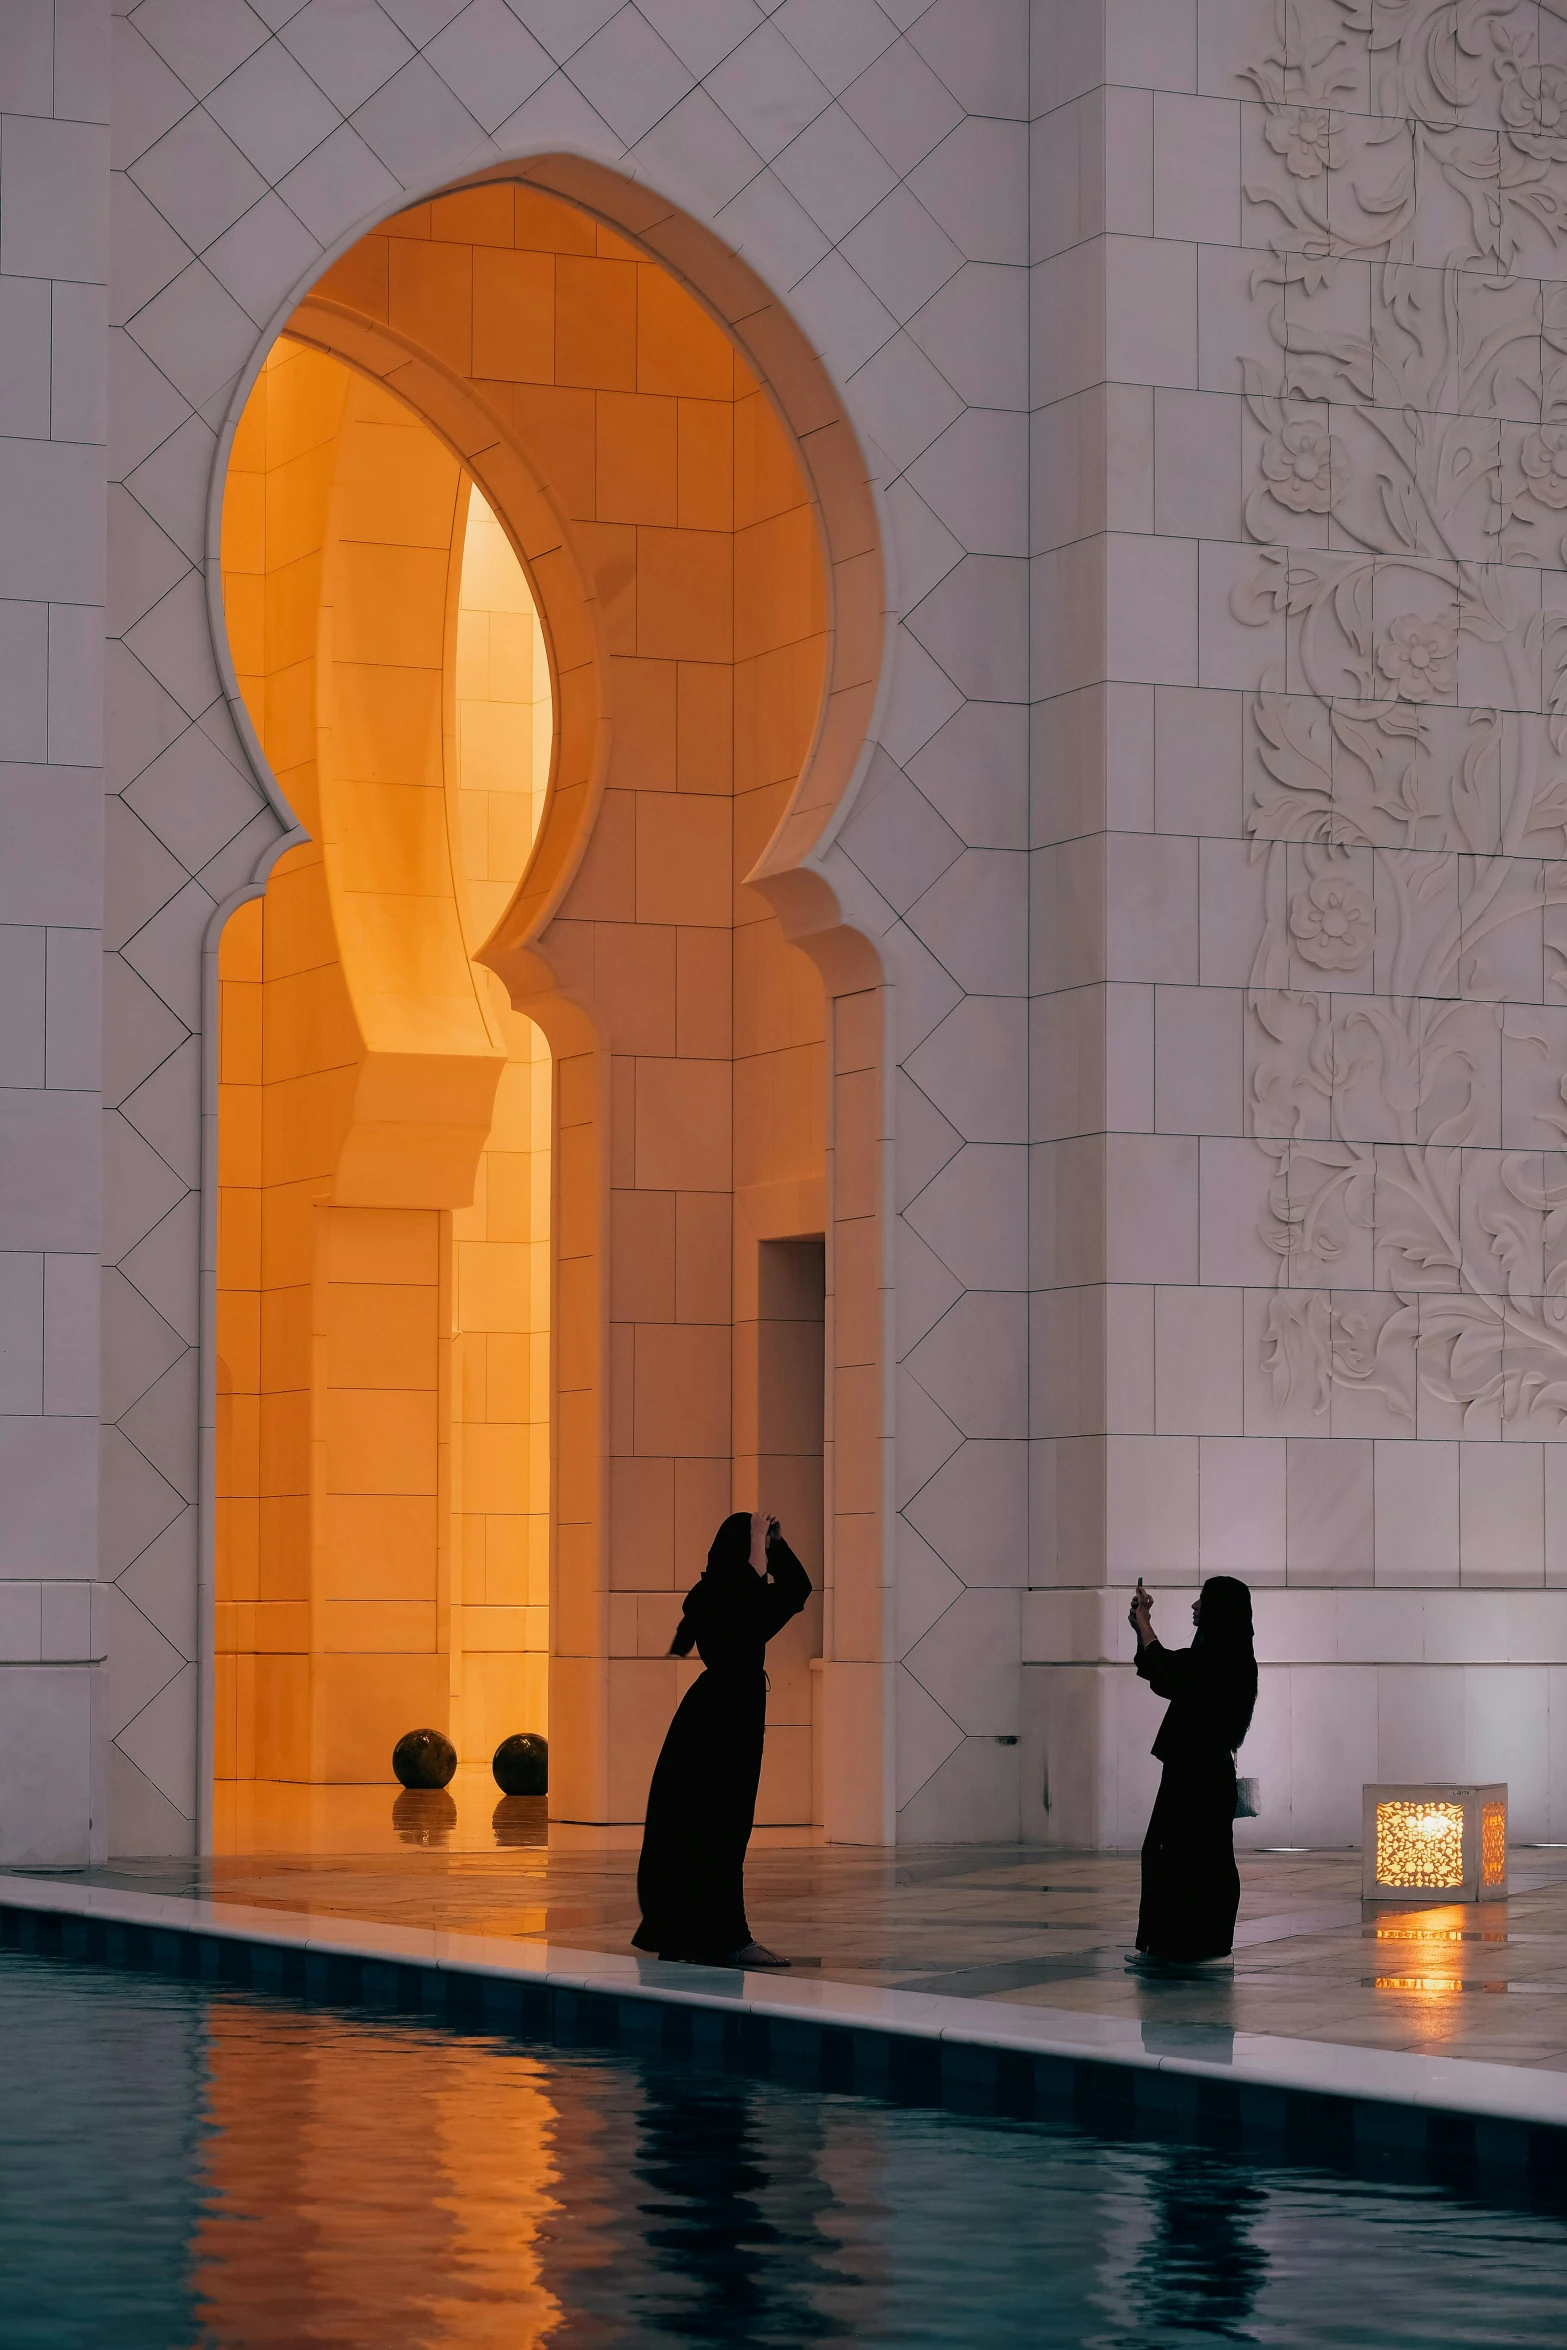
<point>703,558</point>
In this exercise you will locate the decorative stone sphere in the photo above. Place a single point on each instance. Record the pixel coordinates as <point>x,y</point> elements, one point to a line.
<point>522,1764</point>
<point>424,1758</point>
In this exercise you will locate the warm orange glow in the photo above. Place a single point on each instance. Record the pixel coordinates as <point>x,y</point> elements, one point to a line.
<point>1420,1844</point>
<point>435,1479</point>
<point>383,1299</point>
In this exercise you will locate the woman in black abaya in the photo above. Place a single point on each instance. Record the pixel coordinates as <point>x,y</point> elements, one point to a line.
<point>690,1880</point>
<point>1191,1891</point>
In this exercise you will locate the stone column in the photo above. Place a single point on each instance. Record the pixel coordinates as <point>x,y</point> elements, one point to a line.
<point>54,190</point>
<point>1300,803</point>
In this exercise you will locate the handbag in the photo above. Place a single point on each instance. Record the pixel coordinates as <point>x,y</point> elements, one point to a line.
<point>1248,1798</point>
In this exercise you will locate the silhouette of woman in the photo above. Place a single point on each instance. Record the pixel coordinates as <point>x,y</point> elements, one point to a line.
<point>1191,1891</point>
<point>700,1806</point>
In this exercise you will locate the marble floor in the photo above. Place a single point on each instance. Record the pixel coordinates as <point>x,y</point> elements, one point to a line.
<point>1015,1924</point>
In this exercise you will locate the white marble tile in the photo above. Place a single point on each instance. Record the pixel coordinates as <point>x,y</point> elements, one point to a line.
<point>972,1364</point>
<point>1416,1502</point>
<point>974,477</point>
<point>702,32</point>
<point>1501,1513</point>
<point>902,107</point>
<point>836,306</point>
<point>494,65</point>
<point>974,1514</point>
<point>1196,167</point>
<point>926,1736</point>
<point>348,48</point>
<point>767,90</point>
<point>1241,1508</point>
<point>1197,1367</point>
<point>1152,1517</point>
<point>1150,311</point>
<point>54,212</point>
<point>624,70</point>
<point>70,1334</point>
<point>925,1587</point>
<point>418,127</point>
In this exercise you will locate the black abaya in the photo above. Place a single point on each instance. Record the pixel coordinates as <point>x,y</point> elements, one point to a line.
<point>700,1806</point>
<point>1191,1888</point>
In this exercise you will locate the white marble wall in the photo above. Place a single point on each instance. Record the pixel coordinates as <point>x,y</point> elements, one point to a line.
<point>53,267</point>
<point>1299,798</point>
<point>1228,1057</point>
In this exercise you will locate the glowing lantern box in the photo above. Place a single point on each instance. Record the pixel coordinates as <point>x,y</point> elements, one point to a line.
<point>1429,1844</point>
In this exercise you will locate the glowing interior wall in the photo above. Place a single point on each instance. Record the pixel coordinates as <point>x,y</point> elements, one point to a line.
<point>500,1265</point>
<point>382,1323</point>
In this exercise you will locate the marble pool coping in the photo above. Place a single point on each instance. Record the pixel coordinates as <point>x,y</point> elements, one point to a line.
<point>919,2047</point>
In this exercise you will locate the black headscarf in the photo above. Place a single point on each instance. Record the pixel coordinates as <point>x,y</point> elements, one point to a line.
<point>1224,1642</point>
<point>728,1559</point>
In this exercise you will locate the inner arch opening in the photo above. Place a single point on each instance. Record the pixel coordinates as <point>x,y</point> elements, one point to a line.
<point>383,1231</point>
<point>516,1048</point>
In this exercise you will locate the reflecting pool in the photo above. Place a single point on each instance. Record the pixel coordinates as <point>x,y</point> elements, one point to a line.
<point>185,2166</point>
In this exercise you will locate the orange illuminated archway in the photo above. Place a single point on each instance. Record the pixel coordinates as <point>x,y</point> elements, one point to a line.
<point>602,986</point>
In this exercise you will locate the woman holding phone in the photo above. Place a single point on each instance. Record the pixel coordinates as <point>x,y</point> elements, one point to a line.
<point>700,1806</point>
<point>1191,1890</point>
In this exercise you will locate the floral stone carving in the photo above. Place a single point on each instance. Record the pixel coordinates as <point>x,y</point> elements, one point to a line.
<point>1407,792</point>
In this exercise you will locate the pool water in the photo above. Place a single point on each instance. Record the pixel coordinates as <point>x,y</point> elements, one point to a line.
<point>185,2166</point>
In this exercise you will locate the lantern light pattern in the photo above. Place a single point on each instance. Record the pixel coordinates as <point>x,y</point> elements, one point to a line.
<point>1429,1844</point>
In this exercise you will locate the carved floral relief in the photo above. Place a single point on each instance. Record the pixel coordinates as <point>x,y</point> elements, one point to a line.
<point>1407,492</point>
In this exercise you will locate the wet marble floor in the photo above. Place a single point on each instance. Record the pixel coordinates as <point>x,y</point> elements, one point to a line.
<point>1015,1924</point>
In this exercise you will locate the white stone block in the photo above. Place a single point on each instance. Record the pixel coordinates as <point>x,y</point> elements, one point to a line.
<point>48,1767</point>
<point>340,180</point>
<point>1151,609</point>
<point>1152,1524</point>
<point>1068,322</point>
<point>1153,46</point>
<point>1501,1513</point>
<point>21,1333</point>
<point>78,347</point>
<point>926,1735</point>
<point>975,185</point>
<point>1151,907</point>
<point>494,64</point>
<point>52,494</point>
<point>1241,1508</point>
<point>1129,1360</point>
<point>50,1473</point>
<point>1197,1367</point>
<point>767,90</point>
<point>1197,1061</point>
<point>1234,1182</point>
<point>70,1335</point>
<point>974,1364</point>
<point>419,129</point>
<point>1150,311</point>
<point>54,200</point>
<point>1068,618</point>
<point>1329,1511</point>
<point>1151,1207</point>
<point>979,48</point>
<point>1196,168</point>
<point>1126,160</point>
<point>838,309</point>
<point>902,107</point>
<point>925,1586</point>
<point>75,685</point>
<point>975,1216</point>
<point>66,1631</point>
<point>1197,464</point>
<point>1333,1711</point>
<point>969,1662</point>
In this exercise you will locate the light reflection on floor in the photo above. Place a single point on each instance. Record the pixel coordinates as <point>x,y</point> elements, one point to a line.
<point>1041,1927</point>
